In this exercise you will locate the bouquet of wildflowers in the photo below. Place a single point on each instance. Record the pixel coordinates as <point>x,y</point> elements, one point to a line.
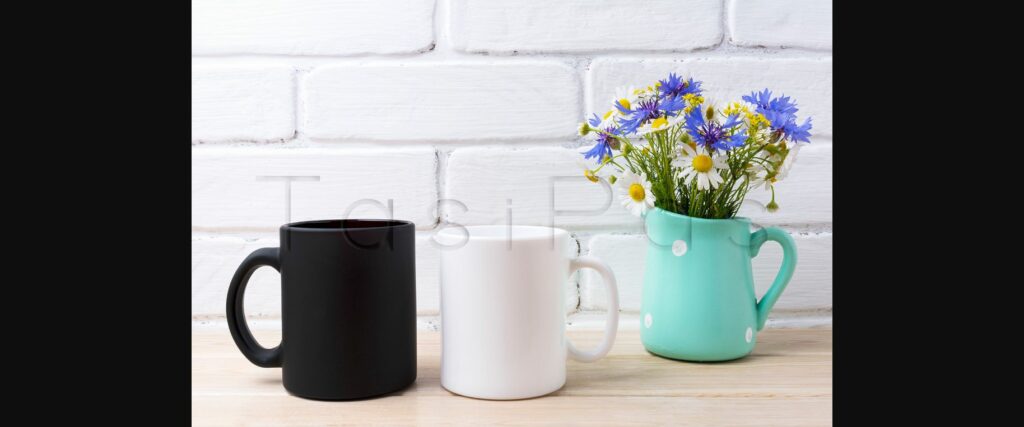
<point>665,146</point>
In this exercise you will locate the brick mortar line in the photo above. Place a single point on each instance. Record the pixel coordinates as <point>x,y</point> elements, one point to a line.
<point>442,46</point>
<point>498,59</point>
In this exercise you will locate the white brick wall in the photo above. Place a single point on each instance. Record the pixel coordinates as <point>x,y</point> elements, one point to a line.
<point>780,23</point>
<point>442,101</point>
<point>585,25</point>
<point>229,193</point>
<point>242,103</point>
<point>417,100</point>
<point>311,27</point>
<point>485,178</point>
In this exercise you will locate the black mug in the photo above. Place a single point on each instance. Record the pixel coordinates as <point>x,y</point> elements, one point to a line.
<point>348,318</point>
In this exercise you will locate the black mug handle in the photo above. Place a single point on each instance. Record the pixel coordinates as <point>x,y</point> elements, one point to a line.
<point>257,354</point>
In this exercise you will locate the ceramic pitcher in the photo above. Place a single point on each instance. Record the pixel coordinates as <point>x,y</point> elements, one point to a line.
<point>698,292</point>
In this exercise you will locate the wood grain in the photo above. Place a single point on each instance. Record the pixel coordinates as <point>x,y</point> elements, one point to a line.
<point>786,381</point>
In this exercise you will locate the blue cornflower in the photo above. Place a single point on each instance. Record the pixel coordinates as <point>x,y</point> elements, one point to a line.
<point>782,104</point>
<point>778,111</point>
<point>674,86</point>
<point>595,121</point>
<point>732,121</point>
<point>711,134</point>
<point>796,133</point>
<point>761,100</point>
<point>764,101</point>
<point>603,147</point>
<point>777,119</point>
<point>649,109</point>
<point>781,114</point>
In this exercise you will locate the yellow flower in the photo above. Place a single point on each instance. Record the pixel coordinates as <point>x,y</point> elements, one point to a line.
<point>736,108</point>
<point>590,175</point>
<point>756,119</point>
<point>692,101</point>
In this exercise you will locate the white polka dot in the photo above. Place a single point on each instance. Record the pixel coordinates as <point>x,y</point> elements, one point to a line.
<point>647,320</point>
<point>750,333</point>
<point>679,247</point>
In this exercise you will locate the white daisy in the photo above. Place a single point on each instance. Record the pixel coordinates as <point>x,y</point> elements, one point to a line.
<point>635,193</point>
<point>787,163</point>
<point>712,102</point>
<point>626,96</point>
<point>607,119</point>
<point>587,170</point>
<point>698,164</point>
<point>660,123</point>
<point>757,173</point>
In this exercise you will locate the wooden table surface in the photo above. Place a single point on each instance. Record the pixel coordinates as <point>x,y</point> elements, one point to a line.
<point>787,381</point>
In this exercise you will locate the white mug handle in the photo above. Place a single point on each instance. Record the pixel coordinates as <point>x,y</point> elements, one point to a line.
<point>611,325</point>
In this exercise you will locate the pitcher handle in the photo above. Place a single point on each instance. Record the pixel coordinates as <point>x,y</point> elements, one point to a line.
<point>757,238</point>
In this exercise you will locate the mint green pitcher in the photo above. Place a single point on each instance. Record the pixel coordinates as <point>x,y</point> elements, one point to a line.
<point>698,297</point>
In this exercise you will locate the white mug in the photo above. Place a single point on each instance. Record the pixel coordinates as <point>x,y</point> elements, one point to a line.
<point>503,310</point>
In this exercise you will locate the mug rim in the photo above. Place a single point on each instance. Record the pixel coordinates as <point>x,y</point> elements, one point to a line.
<point>348,225</point>
<point>534,232</point>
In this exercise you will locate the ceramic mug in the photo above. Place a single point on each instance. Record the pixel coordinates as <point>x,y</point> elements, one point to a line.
<point>503,310</point>
<point>348,315</point>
